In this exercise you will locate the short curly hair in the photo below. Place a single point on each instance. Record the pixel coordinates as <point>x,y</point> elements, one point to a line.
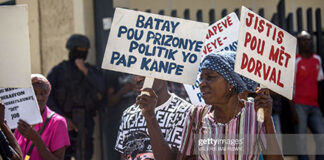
<point>41,81</point>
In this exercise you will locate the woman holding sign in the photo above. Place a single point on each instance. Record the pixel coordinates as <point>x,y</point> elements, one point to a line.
<point>227,127</point>
<point>49,139</point>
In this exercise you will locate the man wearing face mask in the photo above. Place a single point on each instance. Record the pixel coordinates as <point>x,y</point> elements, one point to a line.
<point>77,90</point>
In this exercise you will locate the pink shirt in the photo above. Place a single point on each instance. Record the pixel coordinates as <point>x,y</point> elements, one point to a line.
<point>55,135</point>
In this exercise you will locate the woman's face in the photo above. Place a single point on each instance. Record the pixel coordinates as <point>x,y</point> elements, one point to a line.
<point>213,87</point>
<point>41,95</point>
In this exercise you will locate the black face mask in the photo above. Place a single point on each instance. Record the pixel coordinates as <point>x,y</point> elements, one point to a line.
<point>75,54</point>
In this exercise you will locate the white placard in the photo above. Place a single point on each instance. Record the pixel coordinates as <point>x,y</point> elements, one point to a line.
<point>20,103</point>
<point>221,36</point>
<point>266,53</point>
<point>15,68</point>
<point>155,46</point>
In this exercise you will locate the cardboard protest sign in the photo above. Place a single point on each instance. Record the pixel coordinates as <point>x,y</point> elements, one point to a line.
<point>20,103</point>
<point>15,68</point>
<point>154,46</point>
<point>266,53</point>
<point>222,35</point>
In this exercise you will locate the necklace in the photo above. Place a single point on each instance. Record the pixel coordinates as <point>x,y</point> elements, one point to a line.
<point>236,109</point>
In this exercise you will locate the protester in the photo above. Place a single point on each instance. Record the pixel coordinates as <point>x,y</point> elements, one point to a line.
<point>49,139</point>
<point>227,118</point>
<point>152,128</point>
<point>9,148</point>
<point>77,92</point>
<point>305,106</point>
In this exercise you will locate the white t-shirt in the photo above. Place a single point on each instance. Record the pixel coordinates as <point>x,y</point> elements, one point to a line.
<point>133,139</point>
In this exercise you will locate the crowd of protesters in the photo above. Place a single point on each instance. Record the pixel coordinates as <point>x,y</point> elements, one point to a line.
<point>159,122</point>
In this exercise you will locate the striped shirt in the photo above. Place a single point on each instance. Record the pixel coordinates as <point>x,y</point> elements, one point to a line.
<point>242,138</point>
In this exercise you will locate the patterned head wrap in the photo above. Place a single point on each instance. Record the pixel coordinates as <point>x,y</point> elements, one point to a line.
<point>223,63</point>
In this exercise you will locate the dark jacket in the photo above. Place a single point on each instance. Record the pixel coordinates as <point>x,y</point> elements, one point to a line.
<point>6,151</point>
<point>72,89</point>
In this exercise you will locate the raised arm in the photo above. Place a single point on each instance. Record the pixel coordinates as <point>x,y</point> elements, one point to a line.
<point>161,149</point>
<point>263,100</point>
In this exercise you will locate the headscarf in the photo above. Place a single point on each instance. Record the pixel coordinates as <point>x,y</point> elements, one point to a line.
<point>223,63</point>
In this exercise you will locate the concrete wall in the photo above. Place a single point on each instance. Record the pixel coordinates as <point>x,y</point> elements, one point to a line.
<point>48,32</point>
<point>51,22</point>
<point>56,25</point>
<point>33,22</point>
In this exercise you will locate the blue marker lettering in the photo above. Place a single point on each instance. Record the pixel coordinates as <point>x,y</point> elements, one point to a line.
<point>121,60</point>
<point>174,26</point>
<point>185,56</point>
<point>199,46</point>
<point>149,23</point>
<point>158,21</point>
<point>131,60</point>
<point>171,67</point>
<point>199,95</point>
<point>121,30</point>
<point>179,70</point>
<point>139,22</point>
<point>166,26</point>
<point>193,58</point>
<point>171,54</point>
<point>133,45</point>
<point>154,66</point>
<point>145,62</point>
<point>115,55</point>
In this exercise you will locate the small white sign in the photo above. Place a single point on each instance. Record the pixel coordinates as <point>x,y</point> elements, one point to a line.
<point>221,36</point>
<point>155,46</point>
<point>20,103</point>
<point>266,53</point>
<point>15,68</point>
<point>106,22</point>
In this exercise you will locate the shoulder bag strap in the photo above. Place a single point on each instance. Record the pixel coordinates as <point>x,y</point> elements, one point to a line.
<point>40,133</point>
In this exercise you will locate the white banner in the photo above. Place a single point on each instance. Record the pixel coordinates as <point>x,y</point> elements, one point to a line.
<point>266,53</point>
<point>154,46</point>
<point>221,36</point>
<point>20,103</point>
<point>15,68</point>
